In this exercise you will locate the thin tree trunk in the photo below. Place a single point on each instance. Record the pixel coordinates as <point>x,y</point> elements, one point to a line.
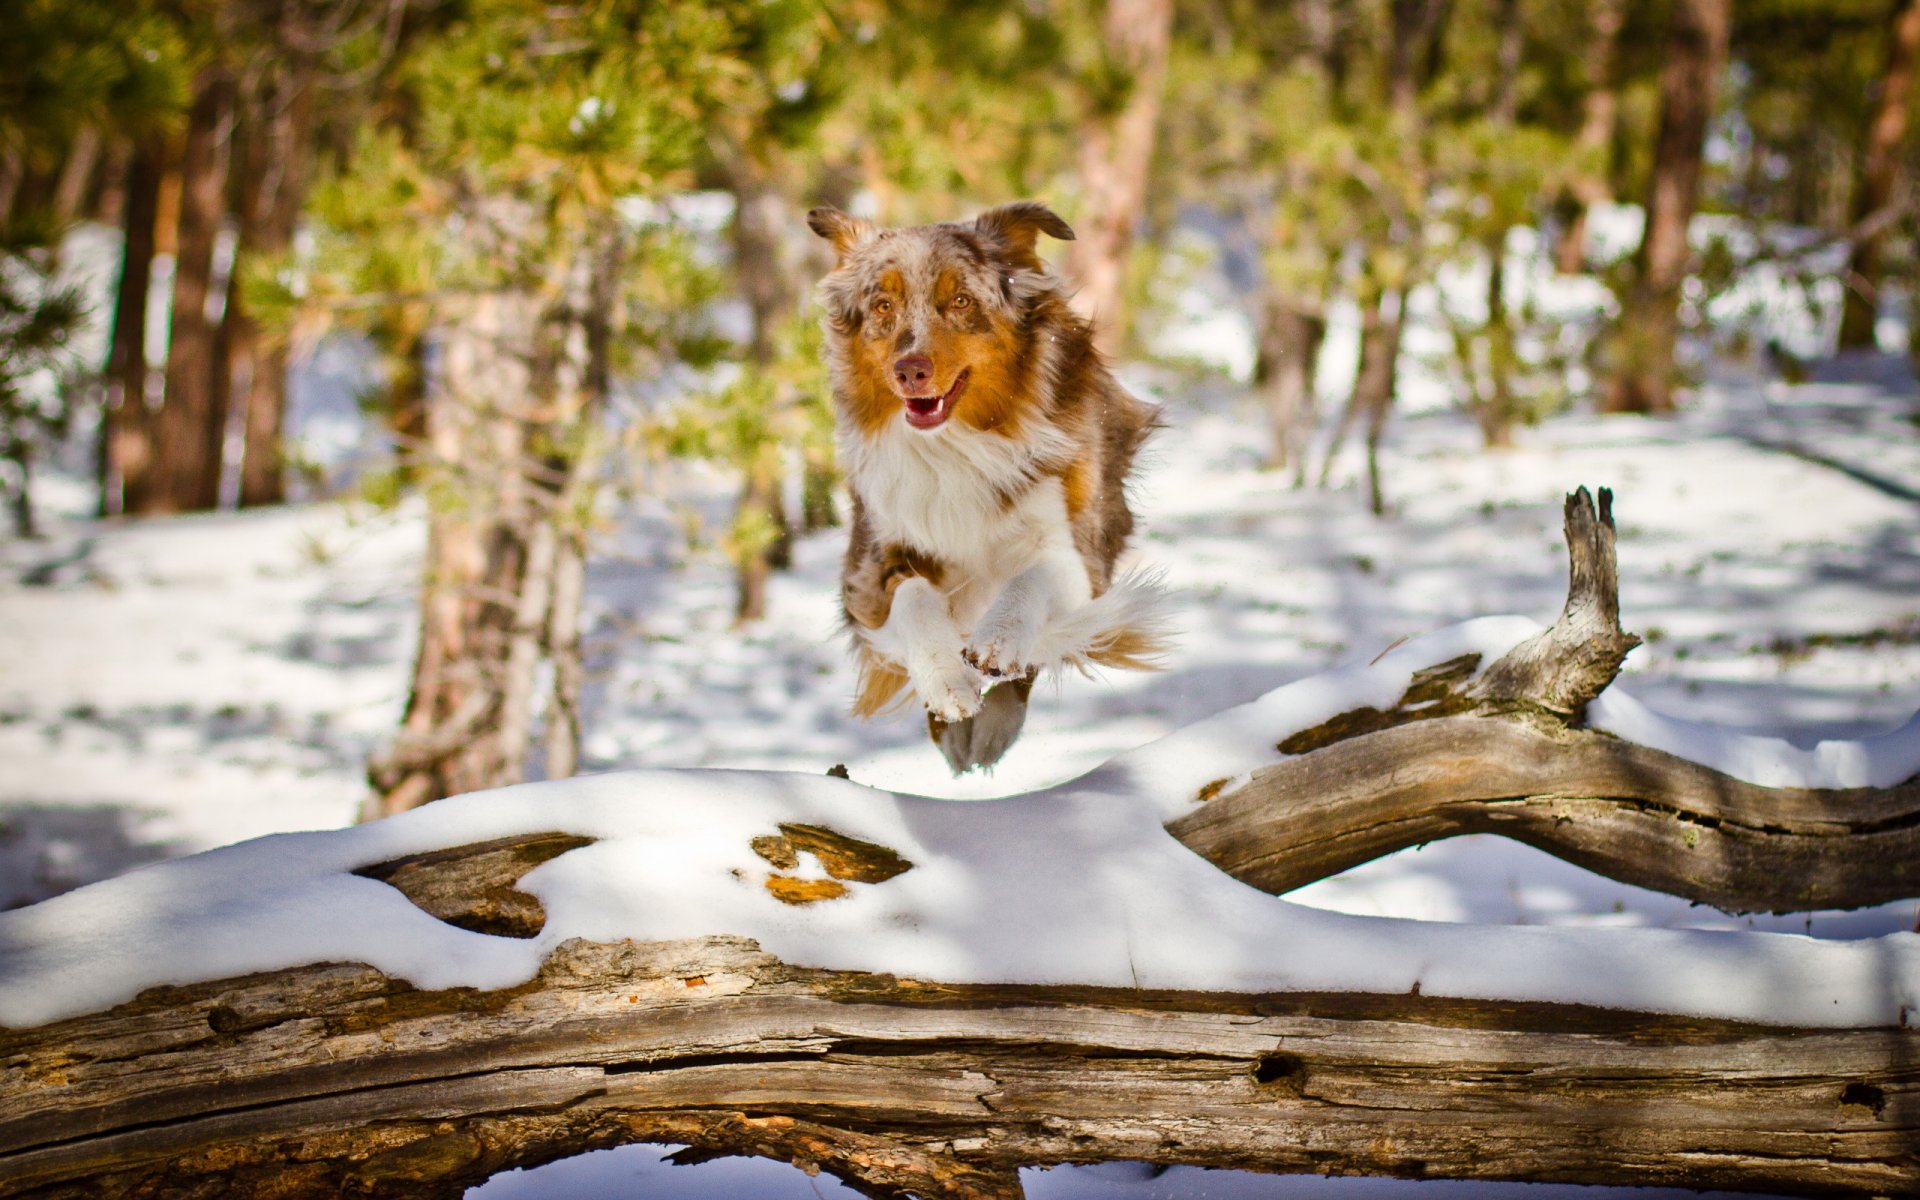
<point>1115,152</point>
<point>109,198</point>
<point>1498,417</point>
<point>83,156</point>
<point>768,275</point>
<point>452,737</point>
<point>13,172</point>
<point>1592,146</point>
<point>1290,337</point>
<point>280,152</point>
<point>189,427</point>
<point>562,731</point>
<point>1649,327</point>
<point>756,532</point>
<point>1879,164</point>
<point>126,437</point>
<point>1413,58</point>
<point>1373,389</point>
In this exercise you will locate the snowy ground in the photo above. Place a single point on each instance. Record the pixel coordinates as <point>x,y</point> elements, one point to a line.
<point>171,686</point>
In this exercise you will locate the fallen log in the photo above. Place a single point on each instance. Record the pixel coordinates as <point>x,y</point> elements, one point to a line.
<point>336,1080</point>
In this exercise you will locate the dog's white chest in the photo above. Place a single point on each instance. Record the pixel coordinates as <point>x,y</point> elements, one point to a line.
<point>949,497</point>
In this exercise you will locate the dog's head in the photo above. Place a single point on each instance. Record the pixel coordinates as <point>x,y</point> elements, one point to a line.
<point>935,322</point>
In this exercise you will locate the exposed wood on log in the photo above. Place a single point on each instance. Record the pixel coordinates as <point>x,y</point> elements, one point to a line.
<point>1623,810</point>
<point>333,1080</point>
<point>474,887</point>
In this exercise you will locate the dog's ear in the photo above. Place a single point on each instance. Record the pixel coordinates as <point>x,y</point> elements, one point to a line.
<point>844,231</point>
<point>1016,226</point>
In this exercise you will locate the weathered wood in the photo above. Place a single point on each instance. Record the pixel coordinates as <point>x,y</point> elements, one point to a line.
<point>1623,810</point>
<point>1573,661</point>
<point>1501,751</point>
<point>333,1080</point>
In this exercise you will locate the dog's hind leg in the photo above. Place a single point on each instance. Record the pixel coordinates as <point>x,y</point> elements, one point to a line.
<point>981,740</point>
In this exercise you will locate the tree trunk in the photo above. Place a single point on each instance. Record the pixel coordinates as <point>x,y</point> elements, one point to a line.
<point>1593,145</point>
<point>189,426</point>
<point>1499,414</point>
<point>1373,389</point>
<point>1649,327</point>
<point>1290,337</point>
<point>453,737</point>
<point>279,154</point>
<point>1116,149</point>
<point>769,276</point>
<point>1879,169</point>
<point>126,477</point>
<point>83,156</point>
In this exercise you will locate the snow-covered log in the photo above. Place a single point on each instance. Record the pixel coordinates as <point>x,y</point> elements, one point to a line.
<point>335,1079</point>
<point>922,995</point>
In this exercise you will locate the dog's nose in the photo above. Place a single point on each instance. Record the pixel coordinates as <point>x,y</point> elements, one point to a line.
<point>913,371</point>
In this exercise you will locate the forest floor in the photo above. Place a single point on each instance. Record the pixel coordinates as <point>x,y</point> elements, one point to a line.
<point>179,684</point>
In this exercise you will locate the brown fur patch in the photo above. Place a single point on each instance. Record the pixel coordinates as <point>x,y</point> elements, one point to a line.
<point>1130,648</point>
<point>882,685</point>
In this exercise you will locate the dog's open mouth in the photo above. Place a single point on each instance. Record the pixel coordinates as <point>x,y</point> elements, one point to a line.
<point>926,412</point>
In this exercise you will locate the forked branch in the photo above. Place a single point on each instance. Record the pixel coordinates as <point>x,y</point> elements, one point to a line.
<point>1503,752</point>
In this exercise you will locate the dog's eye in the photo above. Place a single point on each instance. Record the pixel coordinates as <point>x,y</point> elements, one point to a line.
<point>883,306</point>
<point>962,301</point>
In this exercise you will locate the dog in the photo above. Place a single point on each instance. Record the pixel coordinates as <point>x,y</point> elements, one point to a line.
<point>987,448</point>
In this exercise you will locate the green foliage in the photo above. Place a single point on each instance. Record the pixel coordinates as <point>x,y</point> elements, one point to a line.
<point>123,67</point>
<point>38,319</point>
<point>754,421</point>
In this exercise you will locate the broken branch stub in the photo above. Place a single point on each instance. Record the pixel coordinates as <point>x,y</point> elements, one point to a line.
<point>1564,667</point>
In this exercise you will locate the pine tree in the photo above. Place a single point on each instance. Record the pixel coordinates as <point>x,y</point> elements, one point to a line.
<point>502,215</point>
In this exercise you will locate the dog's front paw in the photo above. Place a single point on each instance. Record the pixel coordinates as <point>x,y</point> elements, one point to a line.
<point>948,687</point>
<point>1004,651</point>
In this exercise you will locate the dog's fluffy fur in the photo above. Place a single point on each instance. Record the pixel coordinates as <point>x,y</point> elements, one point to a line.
<point>987,447</point>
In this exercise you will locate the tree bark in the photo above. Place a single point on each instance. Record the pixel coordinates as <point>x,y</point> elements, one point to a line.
<point>1499,413</point>
<point>126,477</point>
<point>279,154</point>
<point>1649,326</point>
<point>190,425</point>
<point>1290,337</point>
<point>769,278</point>
<point>453,737</point>
<point>333,1080</point>
<point>76,173</point>
<point>1879,171</point>
<point>1115,151</point>
<point>1593,145</point>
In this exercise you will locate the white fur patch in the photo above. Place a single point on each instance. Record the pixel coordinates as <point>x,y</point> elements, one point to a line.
<point>939,490</point>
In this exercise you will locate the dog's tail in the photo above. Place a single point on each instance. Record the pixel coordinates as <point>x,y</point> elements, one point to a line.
<point>1125,626</point>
